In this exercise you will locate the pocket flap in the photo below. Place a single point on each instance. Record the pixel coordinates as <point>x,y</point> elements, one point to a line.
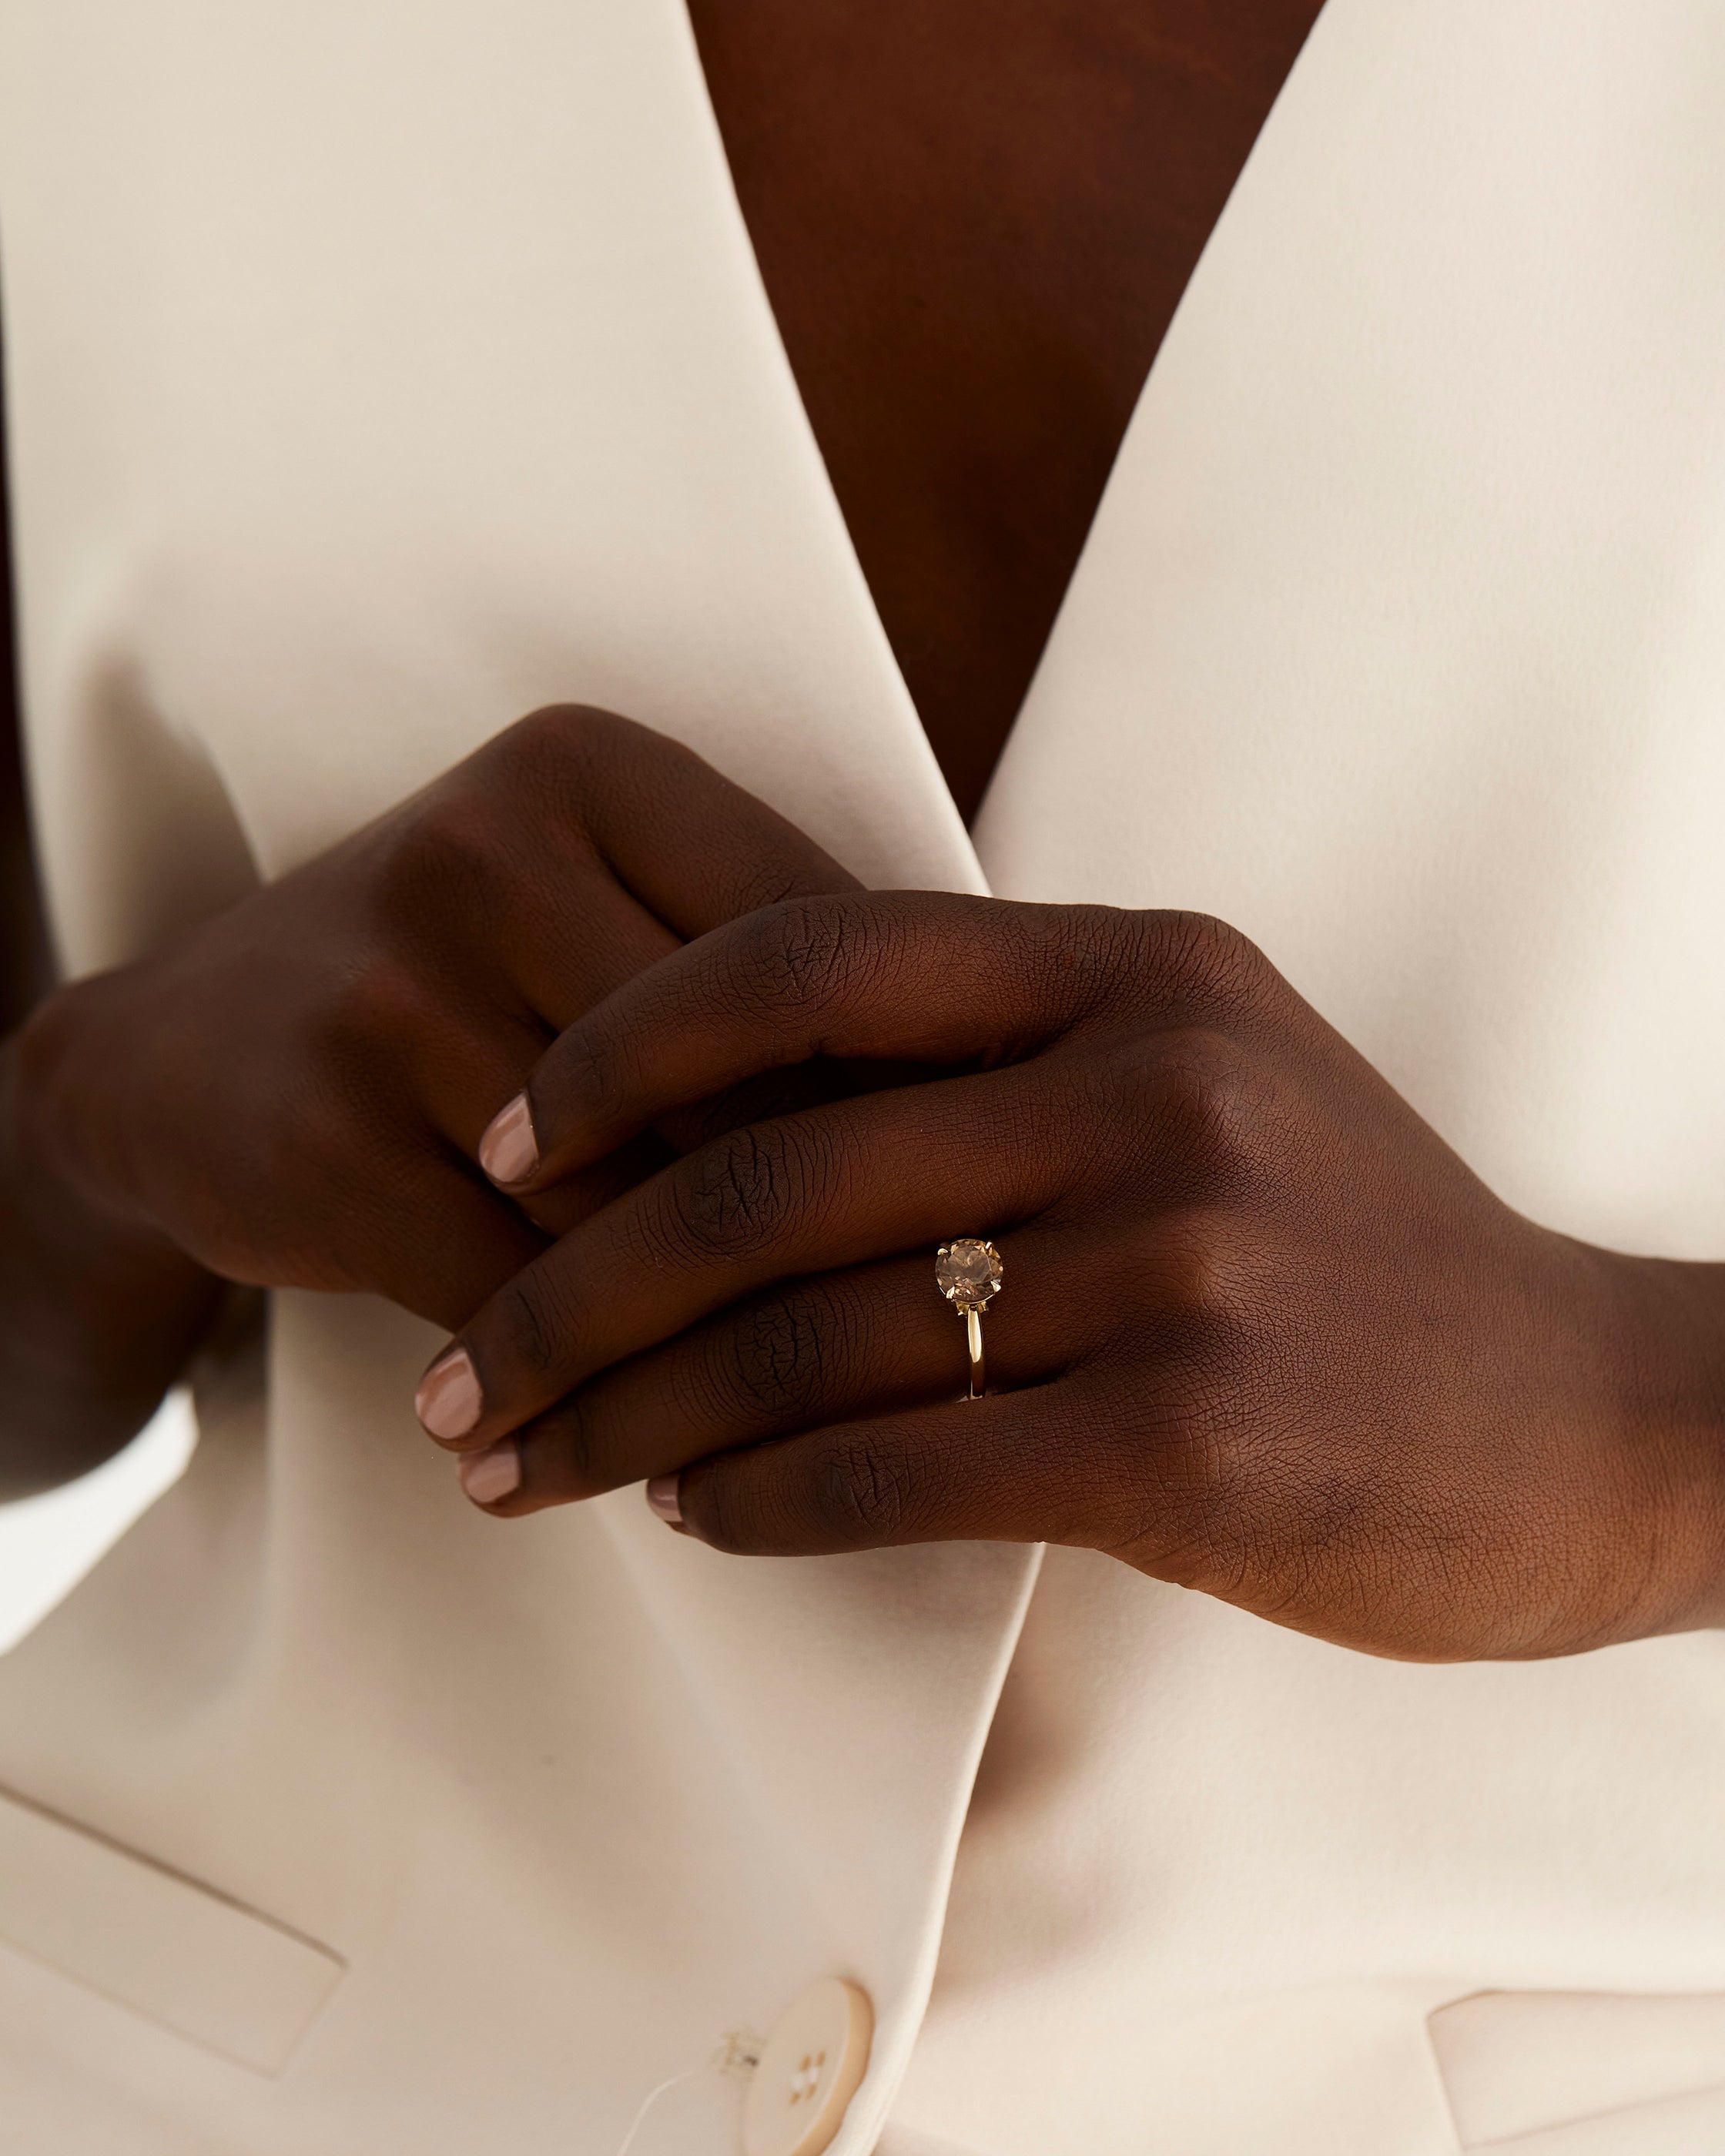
<point>1516,2061</point>
<point>175,1951</point>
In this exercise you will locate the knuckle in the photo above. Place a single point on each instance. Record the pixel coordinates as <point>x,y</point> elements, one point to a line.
<point>553,736</point>
<point>861,1491</point>
<point>1204,1093</point>
<point>1204,964</point>
<point>1190,1103</point>
<point>434,876</point>
<point>545,768</point>
<point>734,1198</point>
<point>363,1017</point>
<point>1214,963</point>
<point>526,791</point>
<point>530,1326</point>
<point>1087,949</point>
<point>777,1357</point>
<point>794,957</point>
<point>1078,964</point>
<point>446,861</point>
<point>371,1004</point>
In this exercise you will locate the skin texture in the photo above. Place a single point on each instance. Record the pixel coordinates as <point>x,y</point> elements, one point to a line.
<point>974,244</point>
<point>974,225</point>
<point>1261,1332</point>
<point>307,1074</point>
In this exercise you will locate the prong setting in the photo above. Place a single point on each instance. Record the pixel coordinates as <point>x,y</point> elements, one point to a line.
<point>968,1271</point>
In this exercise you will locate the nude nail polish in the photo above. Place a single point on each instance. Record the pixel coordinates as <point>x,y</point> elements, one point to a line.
<point>663,1499</point>
<point>491,1473</point>
<point>449,1401</point>
<point>508,1151</point>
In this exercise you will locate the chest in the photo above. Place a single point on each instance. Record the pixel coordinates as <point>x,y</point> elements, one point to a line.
<point>369,390</point>
<point>975,224</point>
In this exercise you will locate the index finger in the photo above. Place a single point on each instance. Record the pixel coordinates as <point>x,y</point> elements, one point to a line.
<point>869,1178</point>
<point>919,977</point>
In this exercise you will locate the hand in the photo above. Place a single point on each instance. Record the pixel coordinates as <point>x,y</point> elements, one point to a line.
<point>1261,1332</point>
<point>294,1094</point>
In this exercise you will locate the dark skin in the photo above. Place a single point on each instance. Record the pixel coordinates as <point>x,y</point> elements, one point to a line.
<point>302,1080</point>
<point>1261,1333</point>
<point>665,1132</point>
<point>974,244</point>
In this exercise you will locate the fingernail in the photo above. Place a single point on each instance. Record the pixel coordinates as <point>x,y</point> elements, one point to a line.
<point>509,1152</point>
<point>491,1473</point>
<point>449,1399</point>
<point>662,1498</point>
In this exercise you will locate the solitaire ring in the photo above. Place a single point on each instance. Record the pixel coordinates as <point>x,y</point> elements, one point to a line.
<point>966,1272</point>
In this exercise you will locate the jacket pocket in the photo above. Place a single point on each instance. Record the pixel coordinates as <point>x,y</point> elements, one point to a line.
<point>1561,2066</point>
<point>178,1953</point>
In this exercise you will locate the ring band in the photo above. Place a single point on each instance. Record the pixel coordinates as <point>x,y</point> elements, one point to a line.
<point>967,1272</point>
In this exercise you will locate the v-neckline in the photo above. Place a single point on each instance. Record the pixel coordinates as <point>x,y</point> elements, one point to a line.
<point>834,503</point>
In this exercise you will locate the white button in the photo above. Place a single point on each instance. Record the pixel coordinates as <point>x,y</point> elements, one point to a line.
<point>808,2072</point>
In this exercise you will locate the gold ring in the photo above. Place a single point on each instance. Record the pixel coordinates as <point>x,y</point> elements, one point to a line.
<point>967,1270</point>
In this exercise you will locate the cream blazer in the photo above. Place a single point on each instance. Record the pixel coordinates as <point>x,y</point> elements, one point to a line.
<point>380,371</point>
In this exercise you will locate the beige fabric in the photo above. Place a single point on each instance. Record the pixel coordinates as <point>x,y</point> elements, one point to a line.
<point>1504,2053</point>
<point>149,1939</point>
<point>379,371</point>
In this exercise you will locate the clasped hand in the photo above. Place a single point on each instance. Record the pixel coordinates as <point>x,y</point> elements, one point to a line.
<point>1262,1333</point>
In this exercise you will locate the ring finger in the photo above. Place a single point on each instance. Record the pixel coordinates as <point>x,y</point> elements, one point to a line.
<point>810,1194</point>
<point>867,1340</point>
